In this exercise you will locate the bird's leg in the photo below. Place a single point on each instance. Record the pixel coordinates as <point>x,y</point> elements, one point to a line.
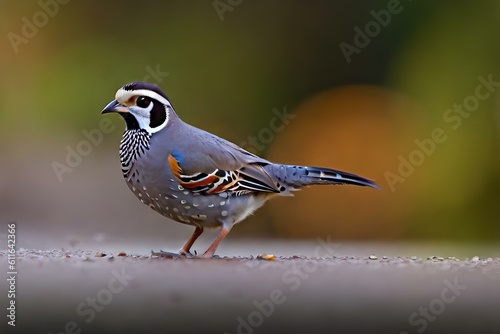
<point>213,247</point>
<point>185,250</point>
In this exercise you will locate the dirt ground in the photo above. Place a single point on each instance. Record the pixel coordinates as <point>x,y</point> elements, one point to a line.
<point>75,291</point>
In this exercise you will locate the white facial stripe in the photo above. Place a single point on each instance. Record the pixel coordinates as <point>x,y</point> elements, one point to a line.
<point>158,128</point>
<point>123,95</point>
<point>142,115</point>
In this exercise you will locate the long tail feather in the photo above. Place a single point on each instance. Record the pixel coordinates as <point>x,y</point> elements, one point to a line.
<point>299,176</point>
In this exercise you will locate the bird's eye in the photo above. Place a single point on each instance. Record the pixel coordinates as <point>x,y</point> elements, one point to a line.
<point>143,101</point>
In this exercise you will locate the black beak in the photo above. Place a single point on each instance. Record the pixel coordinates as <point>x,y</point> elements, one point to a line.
<point>114,106</point>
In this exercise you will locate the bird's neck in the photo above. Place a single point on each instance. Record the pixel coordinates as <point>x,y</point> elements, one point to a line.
<point>134,143</point>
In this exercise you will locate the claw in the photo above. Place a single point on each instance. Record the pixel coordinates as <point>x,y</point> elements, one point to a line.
<point>168,255</point>
<point>186,254</point>
<point>183,254</point>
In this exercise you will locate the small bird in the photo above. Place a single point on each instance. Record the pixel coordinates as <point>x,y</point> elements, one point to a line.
<point>194,177</point>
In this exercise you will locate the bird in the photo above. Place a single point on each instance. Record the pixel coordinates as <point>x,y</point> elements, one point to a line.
<point>195,177</point>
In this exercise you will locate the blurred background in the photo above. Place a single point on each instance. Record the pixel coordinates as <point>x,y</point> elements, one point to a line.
<point>405,93</point>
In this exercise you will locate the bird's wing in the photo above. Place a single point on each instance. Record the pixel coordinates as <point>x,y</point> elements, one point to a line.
<point>241,181</point>
<point>215,165</point>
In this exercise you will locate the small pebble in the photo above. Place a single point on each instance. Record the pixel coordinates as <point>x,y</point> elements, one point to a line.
<point>475,259</point>
<point>372,257</point>
<point>100,254</point>
<point>267,257</point>
<point>122,254</point>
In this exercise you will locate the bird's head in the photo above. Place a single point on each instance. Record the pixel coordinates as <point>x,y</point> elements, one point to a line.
<point>143,105</point>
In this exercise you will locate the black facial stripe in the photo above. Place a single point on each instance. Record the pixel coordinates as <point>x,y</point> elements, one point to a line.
<point>158,115</point>
<point>132,123</point>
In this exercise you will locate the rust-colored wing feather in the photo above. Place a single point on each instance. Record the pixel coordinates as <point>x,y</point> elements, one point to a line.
<point>248,179</point>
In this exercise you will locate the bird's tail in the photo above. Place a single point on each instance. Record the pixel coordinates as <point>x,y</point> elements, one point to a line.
<point>300,176</point>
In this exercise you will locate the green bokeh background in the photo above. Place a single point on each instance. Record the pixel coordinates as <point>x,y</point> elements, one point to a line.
<point>227,76</point>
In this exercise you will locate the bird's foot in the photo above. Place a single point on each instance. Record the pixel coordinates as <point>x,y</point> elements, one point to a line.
<point>183,254</point>
<point>187,254</point>
<point>168,255</point>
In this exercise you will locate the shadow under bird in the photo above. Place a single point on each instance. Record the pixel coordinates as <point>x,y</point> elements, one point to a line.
<point>194,177</point>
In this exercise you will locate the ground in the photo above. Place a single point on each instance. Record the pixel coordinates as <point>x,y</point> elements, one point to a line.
<point>323,290</point>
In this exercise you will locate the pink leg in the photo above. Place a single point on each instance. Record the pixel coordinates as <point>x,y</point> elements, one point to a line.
<point>187,246</point>
<point>213,247</point>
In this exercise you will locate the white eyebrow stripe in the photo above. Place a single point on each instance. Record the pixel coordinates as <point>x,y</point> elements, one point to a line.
<point>123,95</point>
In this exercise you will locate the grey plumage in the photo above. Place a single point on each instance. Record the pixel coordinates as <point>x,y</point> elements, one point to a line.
<point>300,176</point>
<point>195,177</point>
